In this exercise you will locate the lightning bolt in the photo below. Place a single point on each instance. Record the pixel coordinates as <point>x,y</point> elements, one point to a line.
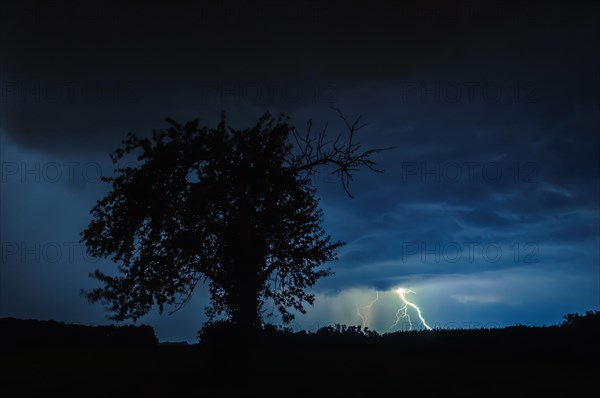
<point>403,310</point>
<point>365,318</point>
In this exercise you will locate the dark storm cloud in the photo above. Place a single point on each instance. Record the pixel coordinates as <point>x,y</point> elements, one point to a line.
<point>77,75</point>
<point>486,218</point>
<point>462,177</point>
<point>492,109</point>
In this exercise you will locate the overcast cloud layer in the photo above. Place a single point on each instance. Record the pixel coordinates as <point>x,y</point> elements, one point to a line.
<point>488,207</point>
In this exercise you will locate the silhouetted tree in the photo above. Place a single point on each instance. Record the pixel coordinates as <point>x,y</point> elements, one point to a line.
<point>233,208</point>
<point>590,320</point>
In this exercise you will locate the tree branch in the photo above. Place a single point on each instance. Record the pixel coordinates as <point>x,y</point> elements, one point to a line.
<point>347,157</point>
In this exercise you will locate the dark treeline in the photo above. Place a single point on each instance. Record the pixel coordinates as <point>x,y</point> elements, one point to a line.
<point>35,333</point>
<point>576,334</point>
<point>339,360</point>
<point>575,331</point>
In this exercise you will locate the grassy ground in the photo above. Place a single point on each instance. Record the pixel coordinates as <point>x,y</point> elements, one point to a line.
<point>445,363</point>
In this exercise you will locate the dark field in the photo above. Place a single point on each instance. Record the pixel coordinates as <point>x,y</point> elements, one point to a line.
<point>499,362</point>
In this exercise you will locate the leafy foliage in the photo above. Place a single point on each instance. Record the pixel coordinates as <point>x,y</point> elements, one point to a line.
<point>232,208</point>
<point>590,320</point>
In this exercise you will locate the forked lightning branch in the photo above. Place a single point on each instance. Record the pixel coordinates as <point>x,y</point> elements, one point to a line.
<point>403,312</point>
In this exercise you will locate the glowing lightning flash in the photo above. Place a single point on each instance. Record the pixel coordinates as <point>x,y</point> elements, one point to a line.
<point>365,318</point>
<point>403,310</point>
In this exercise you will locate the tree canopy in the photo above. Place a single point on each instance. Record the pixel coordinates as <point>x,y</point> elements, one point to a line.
<point>235,209</point>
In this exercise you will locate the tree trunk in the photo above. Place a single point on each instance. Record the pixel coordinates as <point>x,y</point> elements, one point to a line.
<point>245,250</point>
<point>247,283</point>
<point>246,311</point>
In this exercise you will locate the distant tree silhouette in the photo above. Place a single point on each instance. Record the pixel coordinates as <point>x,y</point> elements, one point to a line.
<point>35,333</point>
<point>590,320</point>
<point>233,208</point>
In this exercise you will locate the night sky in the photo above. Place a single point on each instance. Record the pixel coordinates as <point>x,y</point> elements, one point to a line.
<point>488,207</point>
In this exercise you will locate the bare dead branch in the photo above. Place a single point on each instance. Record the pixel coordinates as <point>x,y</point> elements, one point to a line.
<point>346,157</point>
